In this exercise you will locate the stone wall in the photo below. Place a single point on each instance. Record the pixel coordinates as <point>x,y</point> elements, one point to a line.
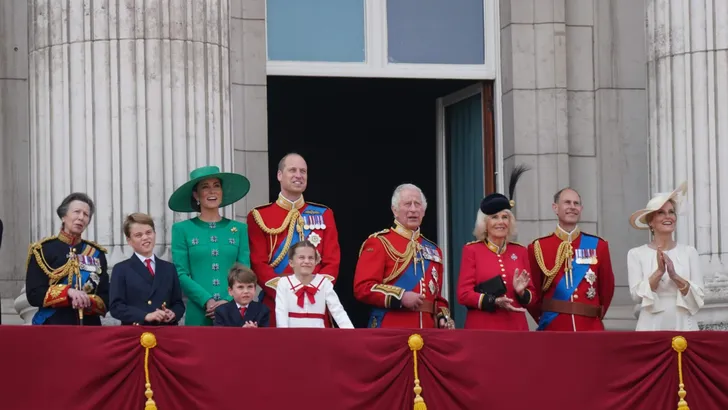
<point>574,109</point>
<point>14,146</point>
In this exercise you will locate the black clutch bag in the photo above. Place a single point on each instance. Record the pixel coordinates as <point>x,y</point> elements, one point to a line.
<point>493,287</point>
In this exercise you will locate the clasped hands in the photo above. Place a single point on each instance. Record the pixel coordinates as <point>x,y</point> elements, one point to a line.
<point>79,299</point>
<point>665,265</point>
<point>160,315</point>
<point>211,305</point>
<point>521,278</point>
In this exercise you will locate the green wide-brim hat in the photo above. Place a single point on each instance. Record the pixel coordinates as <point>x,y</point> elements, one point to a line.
<point>234,188</point>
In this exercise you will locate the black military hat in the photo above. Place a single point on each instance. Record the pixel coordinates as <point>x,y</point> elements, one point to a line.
<point>495,202</point>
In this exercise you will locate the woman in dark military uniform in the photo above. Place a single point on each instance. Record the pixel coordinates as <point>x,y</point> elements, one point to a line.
<point>66,275</point>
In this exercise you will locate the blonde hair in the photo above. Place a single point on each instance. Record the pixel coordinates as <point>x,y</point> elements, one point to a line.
<point>480,231</point>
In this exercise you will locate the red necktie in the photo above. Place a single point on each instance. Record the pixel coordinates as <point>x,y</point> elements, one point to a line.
<point>309,291</point>
<point>149,266</point>
<point>242,311</point>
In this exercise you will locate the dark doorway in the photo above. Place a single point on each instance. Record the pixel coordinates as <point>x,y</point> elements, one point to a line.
<point>361,138</point>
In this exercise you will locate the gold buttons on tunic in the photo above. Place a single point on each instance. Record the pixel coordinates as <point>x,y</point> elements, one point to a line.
<point>149,302</point>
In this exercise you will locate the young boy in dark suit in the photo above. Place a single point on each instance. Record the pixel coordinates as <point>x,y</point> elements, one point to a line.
<point>144,289</point>
<point>243,311</point>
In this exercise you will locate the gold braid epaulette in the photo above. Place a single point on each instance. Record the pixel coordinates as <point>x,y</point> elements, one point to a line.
<point>293,222</point>
<point>562,256</point>
<point>96,245</point>
<point>38,245</point>
<point>69,268</point>
<point>374,235</point>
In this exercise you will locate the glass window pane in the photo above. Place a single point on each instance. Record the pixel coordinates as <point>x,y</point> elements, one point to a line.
<point>316,30</point>
<point>436,31</point>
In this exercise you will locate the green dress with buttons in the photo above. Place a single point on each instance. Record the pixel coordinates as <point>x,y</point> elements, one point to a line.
<point>203,253</point>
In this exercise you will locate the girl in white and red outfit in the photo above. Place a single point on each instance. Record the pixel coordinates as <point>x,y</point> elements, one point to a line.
<point>302,298</point>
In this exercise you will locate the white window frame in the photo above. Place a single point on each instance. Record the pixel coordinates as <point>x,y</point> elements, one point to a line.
<point>377,65</point>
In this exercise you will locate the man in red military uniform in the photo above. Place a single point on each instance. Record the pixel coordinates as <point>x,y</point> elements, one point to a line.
<point>399,272</point>
<point>572,271</point>
<point>274,227</point>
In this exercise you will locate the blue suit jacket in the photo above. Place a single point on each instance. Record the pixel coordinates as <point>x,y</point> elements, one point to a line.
<point>228,315</point>
<point>135,292</point>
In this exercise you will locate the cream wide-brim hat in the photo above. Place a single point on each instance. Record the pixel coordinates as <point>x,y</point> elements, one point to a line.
<point>638,220</point>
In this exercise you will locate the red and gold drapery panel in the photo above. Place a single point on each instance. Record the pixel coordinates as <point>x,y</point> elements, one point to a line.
<point>306,369</point>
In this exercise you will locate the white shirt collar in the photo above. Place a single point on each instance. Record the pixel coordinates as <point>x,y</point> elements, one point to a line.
<point>241,306</point>
<point>144,258</point>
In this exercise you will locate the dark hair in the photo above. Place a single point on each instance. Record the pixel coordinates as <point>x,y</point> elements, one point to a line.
<point>302,244</point>
<point>557,196</point>
<point>193,201</point>
<point>282,162</point>
<point>137,218</point>
<point>240,273</point>
<point>62,209</point>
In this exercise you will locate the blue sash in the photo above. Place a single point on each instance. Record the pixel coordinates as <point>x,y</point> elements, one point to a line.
<point>44,313</point>
<point>407,281</point>
<point>578,273</point>
<point>308,209</point>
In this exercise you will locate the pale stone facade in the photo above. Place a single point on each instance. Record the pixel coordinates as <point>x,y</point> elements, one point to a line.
<point>575,80</point>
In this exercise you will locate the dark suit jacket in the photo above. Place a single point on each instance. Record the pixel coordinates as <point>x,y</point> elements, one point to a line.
<point>228,315</point>
<point>135,292</point>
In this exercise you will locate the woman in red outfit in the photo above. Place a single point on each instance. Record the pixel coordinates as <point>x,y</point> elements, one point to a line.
<point>494,282</point>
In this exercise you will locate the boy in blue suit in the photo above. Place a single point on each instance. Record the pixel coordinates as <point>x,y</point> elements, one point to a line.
<point>144,289</point>
<point>243,311</point>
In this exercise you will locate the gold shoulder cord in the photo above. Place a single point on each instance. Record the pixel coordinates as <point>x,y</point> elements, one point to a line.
<point>401,260</point>
<point>562,258</point>
<point>293,222</point>
<point>69,269</point>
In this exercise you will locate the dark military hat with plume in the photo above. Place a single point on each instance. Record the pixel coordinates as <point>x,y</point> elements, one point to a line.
<point>494,203</point>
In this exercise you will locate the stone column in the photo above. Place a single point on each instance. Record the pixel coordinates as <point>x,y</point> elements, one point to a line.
<point>688,121</point>
<point>126,97</point>
<point>14,168</point>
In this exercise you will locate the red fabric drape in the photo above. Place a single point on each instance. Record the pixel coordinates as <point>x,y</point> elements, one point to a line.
<point>221,368</point>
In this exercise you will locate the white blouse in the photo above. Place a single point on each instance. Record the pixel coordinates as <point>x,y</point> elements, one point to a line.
<point>321,290</point>
<point>666,308</point>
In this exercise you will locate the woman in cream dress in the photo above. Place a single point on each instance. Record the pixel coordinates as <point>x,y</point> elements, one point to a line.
<point>665,277</point>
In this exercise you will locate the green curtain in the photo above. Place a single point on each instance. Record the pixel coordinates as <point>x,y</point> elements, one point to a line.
<point>464,136</point>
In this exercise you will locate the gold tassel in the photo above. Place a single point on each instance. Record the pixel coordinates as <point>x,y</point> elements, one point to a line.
<point>415,343</point>
<point>148,341</point>
<point>679,344</point>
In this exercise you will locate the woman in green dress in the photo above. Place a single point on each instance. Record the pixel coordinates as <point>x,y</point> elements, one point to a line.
<point>205,247</point>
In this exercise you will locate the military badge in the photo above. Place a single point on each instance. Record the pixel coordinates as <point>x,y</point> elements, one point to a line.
<point>590,277</point>
<point>314,238</point>
<point>591,292</point>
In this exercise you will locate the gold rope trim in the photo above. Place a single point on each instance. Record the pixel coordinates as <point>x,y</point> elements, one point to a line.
<point>149,341</point>
<point>401,260</point>
<point>679,344</point>
<point>563,254</point>
<point>293,222</point>
<point>415,343</point>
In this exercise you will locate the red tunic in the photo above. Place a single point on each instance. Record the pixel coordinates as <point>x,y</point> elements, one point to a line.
<point>597,295</point>
<point>387,268</point>
<point>480,262</point>
<point>269,230</point>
